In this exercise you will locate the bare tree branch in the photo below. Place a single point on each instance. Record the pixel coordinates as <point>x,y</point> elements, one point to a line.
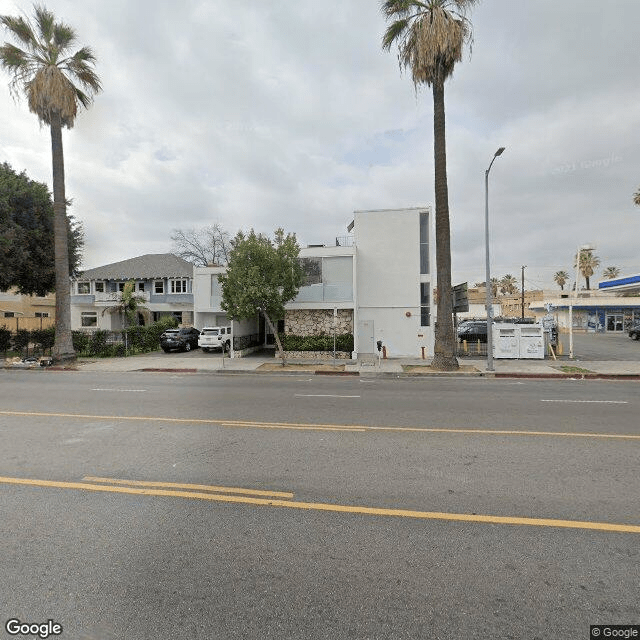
<point>204,247</point>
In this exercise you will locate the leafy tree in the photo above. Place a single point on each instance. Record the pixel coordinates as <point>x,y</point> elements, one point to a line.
<point>431,36</point>
<point>610,273</point>
<point>560,278</point>
<point>588,264</point>
<point>26,235</point>
<point>203,247</point>
<point>44,70</point>
<point>262,276</point>
<point>508,284</point>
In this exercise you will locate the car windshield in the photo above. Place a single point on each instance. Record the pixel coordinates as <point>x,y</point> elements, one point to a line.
<point>210,332</point>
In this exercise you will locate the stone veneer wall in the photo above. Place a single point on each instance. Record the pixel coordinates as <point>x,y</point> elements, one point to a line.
<point>314,322</point>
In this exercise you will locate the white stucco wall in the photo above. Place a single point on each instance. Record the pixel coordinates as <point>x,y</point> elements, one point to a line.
<point>388,282</point>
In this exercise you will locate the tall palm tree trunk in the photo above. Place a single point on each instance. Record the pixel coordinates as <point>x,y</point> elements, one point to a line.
<point>63,345</point>
<point>444,348</point>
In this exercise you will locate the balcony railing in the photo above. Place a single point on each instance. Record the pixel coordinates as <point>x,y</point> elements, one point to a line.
<point>114,297</point>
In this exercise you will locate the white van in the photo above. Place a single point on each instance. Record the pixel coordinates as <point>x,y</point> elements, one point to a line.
<point>215,338</point>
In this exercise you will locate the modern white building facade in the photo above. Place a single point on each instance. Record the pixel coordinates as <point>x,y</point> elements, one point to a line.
<point>379,287</point>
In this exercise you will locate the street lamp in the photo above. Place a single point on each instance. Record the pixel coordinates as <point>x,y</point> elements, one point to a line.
<point>584,247</point>
<point>487,268</point>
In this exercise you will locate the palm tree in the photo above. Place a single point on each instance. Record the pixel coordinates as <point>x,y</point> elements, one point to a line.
<point>588,264</point>
<point>560,278</point>
<point>127,306</point>
<point>45,70</point>
<point>610,273</point>
<point>431,36</point>
<point>495,284</point>
<point>636,198</point>
<point>508,284</point>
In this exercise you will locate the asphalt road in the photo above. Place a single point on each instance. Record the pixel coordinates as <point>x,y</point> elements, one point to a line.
<point>209,506</point>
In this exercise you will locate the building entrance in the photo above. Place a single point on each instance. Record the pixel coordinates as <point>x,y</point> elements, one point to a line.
<point>615,322</point>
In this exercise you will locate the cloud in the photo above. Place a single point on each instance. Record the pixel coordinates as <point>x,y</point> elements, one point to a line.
<point>290,114</point>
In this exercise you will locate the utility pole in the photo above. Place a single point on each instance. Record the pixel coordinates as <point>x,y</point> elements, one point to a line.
<point>522,303</point>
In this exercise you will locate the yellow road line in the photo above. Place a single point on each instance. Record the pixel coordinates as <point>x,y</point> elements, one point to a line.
<point>320,506</point>
<point>327,427</point>
<point>197,487</point>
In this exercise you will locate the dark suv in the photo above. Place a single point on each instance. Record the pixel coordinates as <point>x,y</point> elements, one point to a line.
<point>472,331</point>
<point>634,331</point>
<point>183,339</point>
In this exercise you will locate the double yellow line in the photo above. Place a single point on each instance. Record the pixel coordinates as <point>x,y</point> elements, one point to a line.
<point>284,499</point>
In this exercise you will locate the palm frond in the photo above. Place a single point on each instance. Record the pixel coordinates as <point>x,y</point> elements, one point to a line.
<point>63,36</point>
<point>21,30</point>
<point>394,32</point>
<point>45,20</point>
<point>636,198</point>
<point>45,72</point>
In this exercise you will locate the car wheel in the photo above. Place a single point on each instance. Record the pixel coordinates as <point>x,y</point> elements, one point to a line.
<point>187,346</point>
<point>636,336</point>
<point>165,350</point>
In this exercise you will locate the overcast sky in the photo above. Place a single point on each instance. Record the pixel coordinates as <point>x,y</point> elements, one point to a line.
<point>283,113</point>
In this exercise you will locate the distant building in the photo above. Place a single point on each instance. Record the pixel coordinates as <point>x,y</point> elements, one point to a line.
<point>18,311</point>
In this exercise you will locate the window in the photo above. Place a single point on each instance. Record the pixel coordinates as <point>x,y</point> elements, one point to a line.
<point>9,314</point>
<point>328,279</point>
<point>99,287</point>
<point>158,286</point>
<point>84,287</point>
<point>425,305</point>
<point>141,286</point>
<point>424,243</point>
<point>312,268</point>
<point>89,319</point>
<point>121,286</point>
<point>42,314</point>
<point>179,286</point>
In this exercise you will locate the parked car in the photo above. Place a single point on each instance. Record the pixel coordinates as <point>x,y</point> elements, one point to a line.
<point>183,339</point>
<point>634,331</point>
<point>472,331</point>
<point>215,338</point>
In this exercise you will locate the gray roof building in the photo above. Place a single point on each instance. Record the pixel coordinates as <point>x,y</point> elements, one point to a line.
<point>152,265</point>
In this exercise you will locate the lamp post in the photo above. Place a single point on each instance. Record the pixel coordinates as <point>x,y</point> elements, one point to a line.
<point>584,247</point>
<point>487,267</point>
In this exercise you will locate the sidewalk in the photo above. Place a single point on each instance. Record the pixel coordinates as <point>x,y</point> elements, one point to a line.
<point>396,367</point>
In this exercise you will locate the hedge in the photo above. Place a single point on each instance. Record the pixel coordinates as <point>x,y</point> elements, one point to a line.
<point>323,342</point>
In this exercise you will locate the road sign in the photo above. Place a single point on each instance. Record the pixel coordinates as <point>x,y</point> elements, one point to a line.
<point>460,298</point>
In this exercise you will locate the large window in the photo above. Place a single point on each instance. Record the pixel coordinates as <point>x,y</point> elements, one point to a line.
<point>425,305</point>
<point>99,285</point>
<point>89,319</point>
<point>84,287</point>
<point>328,279</point>
<point>424,242</point>
<point>158,286</point>
<point>179,285</point>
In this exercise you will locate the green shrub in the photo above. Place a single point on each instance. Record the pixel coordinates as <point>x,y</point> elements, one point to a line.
<point>44,338</point>
<point>21,341</point>
<point>5,339</point>
<point>80,341</point>
<point>344,342</point>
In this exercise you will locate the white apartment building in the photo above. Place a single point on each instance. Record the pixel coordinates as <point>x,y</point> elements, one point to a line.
<point>378,287</point>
